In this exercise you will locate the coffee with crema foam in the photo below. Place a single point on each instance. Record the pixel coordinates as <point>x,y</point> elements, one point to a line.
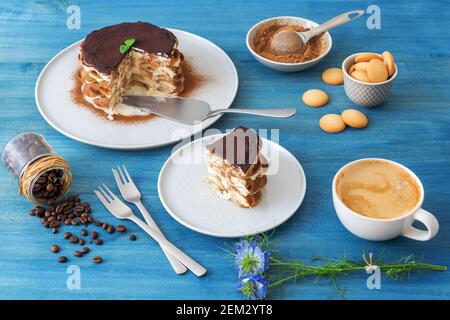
<point>378,189</point>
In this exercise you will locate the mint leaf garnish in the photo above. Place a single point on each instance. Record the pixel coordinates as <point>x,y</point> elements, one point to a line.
<point>126,45</point>
<point>130,42</point>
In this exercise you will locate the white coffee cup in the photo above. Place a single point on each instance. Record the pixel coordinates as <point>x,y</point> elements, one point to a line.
<point>385,229</point>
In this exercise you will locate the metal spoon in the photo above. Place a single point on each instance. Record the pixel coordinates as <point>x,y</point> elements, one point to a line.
<point>191,111</point>
<point>288,41</point>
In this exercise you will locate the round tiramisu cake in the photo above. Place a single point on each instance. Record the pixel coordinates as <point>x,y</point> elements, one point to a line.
<point>129,58</point>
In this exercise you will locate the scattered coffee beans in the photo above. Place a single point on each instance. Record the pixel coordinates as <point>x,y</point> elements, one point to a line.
<point>110,229</point>
<point>97,259</point>
<point>71,212</point>
<point>121,228</point>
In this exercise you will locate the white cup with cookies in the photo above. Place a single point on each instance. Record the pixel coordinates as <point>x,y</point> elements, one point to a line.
<point>379,199</point>
<point>368,77</point>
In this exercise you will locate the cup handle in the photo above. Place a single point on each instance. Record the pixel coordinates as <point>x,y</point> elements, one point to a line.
<point>430,223</point>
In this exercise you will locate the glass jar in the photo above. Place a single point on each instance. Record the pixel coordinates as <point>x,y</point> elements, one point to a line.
<point>42,175</point>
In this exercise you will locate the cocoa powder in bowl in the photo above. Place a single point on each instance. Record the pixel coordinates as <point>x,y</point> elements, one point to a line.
<point>264,35</point>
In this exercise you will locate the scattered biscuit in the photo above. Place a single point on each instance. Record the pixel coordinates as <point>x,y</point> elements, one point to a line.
<point>315,98</point>
<point>332,123</point>
<point>333,76</point>
<point>354,118</point>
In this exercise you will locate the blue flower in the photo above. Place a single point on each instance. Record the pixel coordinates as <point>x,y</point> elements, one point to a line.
<point>251,259</point>
<point>254,287</point>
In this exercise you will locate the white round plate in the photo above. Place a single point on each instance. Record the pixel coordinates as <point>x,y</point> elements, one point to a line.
<point>192,202</point>
<point>54,101</point>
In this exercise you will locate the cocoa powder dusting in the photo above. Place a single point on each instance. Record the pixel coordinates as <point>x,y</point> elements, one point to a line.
<point>193,80</point>
<point>263,38</point>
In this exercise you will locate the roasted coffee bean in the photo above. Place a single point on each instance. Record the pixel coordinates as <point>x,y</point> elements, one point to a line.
<point>84,232</point>
<point>81,242</point>
<point>55,224</point>
<point>54,230</point>
<point>67,235</point>
<point>110,229</point>
<point>32,212</point>
<point>97,223</point>
<point>48,185</point>
<point>99,242</point>
<point>75,222</point>
<point>78,254</point>
<point>79,209</point>
<point>105,226</point>
<point>68,221</point>
<point>41,180</point>
<point>97,259</point>
<point>73,239</point>
<point>132,237</point>
<point>85,250</point>
<point>83,220</point>
<point>121,228</point>
<point>62,259</point>
<point>47,224</point>
<point>94,235</point>
<point>51,218</point>
<point>54,248</point>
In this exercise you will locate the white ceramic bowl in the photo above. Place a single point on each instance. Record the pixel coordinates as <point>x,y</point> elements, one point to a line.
<point>281,66</point>
<point>363,93</point>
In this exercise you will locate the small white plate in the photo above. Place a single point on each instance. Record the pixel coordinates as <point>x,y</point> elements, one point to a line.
<point>193,203</point>
<point>54,101</point>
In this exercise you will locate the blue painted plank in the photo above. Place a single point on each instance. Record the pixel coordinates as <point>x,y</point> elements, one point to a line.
<point>412,128</point>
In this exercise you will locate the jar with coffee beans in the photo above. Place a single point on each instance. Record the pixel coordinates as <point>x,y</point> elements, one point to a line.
<point>42,175</point>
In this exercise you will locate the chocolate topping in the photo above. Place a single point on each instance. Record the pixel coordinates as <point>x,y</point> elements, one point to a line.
<point>240,147</point>
<point>100,49</point>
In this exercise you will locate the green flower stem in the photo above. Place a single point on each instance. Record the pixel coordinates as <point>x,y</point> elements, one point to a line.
<point>333,268</point>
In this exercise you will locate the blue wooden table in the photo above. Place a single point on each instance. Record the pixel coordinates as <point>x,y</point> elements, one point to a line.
<point>413,128</point>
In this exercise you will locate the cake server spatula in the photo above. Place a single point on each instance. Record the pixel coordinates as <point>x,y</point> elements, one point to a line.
<point>191,111</point>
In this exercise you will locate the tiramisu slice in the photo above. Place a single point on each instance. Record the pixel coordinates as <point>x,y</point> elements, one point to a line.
<point>236,168</point>
<point>151,65</point>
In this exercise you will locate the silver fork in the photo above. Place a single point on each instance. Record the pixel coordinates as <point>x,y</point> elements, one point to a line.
<point>121,211</point>
<point>131,194</point>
